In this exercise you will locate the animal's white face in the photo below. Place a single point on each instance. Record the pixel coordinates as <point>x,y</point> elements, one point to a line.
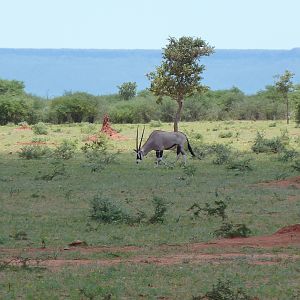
<point>139,156</point>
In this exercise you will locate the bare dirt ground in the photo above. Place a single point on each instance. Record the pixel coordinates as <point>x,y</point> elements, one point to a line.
<point>285,183</point>
<point>194,253</point>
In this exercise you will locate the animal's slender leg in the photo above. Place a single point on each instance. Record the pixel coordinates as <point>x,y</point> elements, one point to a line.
<point>178,152</point>
<point>183,154</point>
<point>157,157</point>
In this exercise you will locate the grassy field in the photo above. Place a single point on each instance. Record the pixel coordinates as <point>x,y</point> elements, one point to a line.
<point>40,212</point>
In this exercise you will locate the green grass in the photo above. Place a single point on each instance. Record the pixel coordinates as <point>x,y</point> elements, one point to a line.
<point>57,212</point>
<point>151,282</point>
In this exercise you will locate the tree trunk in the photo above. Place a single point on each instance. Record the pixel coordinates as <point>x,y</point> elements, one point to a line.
<point>178,114</point>
<point>287,109</point>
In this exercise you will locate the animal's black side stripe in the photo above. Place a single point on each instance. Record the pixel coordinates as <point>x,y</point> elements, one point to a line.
<point>171,147</point>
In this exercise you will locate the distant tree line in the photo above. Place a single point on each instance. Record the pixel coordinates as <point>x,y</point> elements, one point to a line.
<point>18,106</point>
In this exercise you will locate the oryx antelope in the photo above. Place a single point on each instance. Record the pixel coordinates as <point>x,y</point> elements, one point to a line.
<point>159,141</point>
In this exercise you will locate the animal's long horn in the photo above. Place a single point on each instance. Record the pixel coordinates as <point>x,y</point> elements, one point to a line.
<point>142,138</point>
<point>137,138</point>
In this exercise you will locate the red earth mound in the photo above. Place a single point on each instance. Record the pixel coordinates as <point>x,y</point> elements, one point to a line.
<point>109,131</point>
<point>289,229</point>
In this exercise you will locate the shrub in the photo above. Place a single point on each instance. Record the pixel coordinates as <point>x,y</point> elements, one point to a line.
<point>263,145</point>
<point>222,152</point>
<point>239,164</point>
<point>40,128</point>
<point>223,291</point>
<point>88,129</point>
<point>223,135</point>
<point>58,169</point>
<point>104,211</point>
<point>189,170</point>
<point>229,230</point>
<point>287,155</point>
<point>217,210</point>
<point>154,123</point>
<point>296,165</point>
<point>160,209</point>
<point>73,107</point>
<point>273,124</point>
<point>65,150</point>
<point>198,136</point>
<point>34,151</point>
<point>97,155</point>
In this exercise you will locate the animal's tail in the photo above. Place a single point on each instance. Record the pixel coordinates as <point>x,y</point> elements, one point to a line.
<point>190,148</point>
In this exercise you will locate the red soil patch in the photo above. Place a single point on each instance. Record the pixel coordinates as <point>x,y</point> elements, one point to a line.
<point>292,229</point>
<point>166,260</point>
<point>24,127</point>
<point>285,183</point>
<point>176,254</point>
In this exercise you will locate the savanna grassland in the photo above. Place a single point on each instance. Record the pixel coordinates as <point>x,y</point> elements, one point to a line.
<point>161,241</point>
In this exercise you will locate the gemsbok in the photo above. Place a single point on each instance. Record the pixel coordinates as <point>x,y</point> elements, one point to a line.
<point>159,141</point>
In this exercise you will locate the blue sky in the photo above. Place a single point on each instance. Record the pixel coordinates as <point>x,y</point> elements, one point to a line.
<point>146,24</point>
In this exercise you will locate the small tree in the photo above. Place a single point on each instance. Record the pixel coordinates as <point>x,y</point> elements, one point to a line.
<point>127,90</point>
<point>284,86</point>
<point>178,76</point>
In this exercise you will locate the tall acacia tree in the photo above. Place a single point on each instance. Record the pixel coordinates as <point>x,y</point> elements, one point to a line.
<point>284,86</point>
<point>179,74</point>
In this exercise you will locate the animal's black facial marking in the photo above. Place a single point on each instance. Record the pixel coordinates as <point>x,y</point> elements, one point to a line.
<point>139,156</point>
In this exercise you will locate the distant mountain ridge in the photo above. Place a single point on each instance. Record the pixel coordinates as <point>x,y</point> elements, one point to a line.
<point>51,72</point>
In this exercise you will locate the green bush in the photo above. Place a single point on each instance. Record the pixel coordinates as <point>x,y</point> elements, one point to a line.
<point>104,210</point>
<point>160,209</point>
<point>222,153</point>
<point>287,155</point>
<point>239,164</point>
<point>223,290</point>
<point>73,107</point>
<point>224,135</point>
<point>34,151</point>
<point>89,129</point>
<point>217,210</point>
<point>155,124</point>
<point>230,230</point>
<point>296,165</point>
<point>58,169</point>
<point>263,145</point>
<point>65,150</point>
<point>40,128</point>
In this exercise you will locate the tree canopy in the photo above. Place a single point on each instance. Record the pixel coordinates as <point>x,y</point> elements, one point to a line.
<point>179,74</point>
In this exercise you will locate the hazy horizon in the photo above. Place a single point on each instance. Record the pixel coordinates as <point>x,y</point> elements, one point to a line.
<point>51,72</point>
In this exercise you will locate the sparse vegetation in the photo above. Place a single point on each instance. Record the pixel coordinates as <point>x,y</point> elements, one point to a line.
<point>34,151</point>
<point>40,128</point>
<point>223,290</point>
<point>263,145</point>
<point>65,150</point>
<point>51,205</point>
<point>230,230</point>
